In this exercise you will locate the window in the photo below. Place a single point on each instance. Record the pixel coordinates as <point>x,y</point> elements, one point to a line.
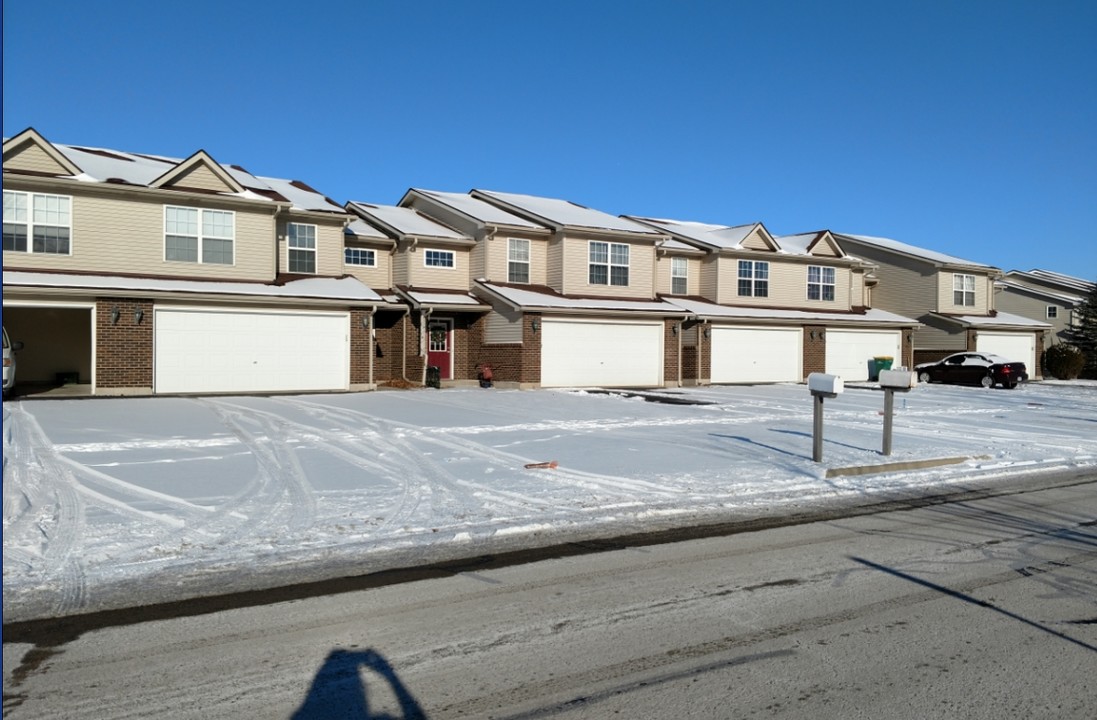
<point>46,220</point>
<point>608,264</point>
<point>1052,312</point>
<point>438,258</point>
<point>194,235</point>
<point>679,284</point>
<point>820,283</point>
<point>517,260</point>
<point>359,256</point>
<point>753,278</point>
<point>963,290</point>
<point>301,242</point>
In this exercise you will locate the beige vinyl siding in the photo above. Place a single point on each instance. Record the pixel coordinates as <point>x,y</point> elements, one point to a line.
<point>112,235</point>
<point>377,277</point>
<point>1017,303</point>
<point>454,278</point>
<point>788,283</point>
<point>710,278</point>
<point>478,258</point>
<point>329,246</point>
<point>663,274</point>
<point>554,273</point>
<point>201,177</point>
<point>401,263</point>
<point>907,286</point>
<point>503,325</point>
<point>945,298</point>
<point>756,241</point>
<point>32,158</point>
<point>498,261</point>
<point>857,295</point>
<point>936,334</point>
<point>824,248</point>
<point>576,269</point>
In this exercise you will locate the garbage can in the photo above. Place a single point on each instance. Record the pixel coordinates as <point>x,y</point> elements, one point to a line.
<point>882,362</point>
<point>434,376</point>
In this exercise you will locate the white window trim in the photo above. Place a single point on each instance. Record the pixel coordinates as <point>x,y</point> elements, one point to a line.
<point>200,237</point>
<point>29,223</point>
<point>451,253</point>
<point>958,279</point>
<point>822,284</point>
<point>527,262</point>
<point>314,249</point>
<point>609,264</point>
<point>754,279</point>
<point>683,263</point>
<point>1052,312</point>
<point>372,256</point>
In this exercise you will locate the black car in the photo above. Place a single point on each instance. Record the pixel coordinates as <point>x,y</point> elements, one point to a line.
<point>973,368</point>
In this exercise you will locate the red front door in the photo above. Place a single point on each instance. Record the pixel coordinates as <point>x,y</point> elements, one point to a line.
<point>440,347</point>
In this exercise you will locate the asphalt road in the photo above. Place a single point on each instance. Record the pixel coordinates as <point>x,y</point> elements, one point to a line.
<point>979,608</point>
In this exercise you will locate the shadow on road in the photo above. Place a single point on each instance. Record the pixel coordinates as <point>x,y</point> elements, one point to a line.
<point>341,689</point>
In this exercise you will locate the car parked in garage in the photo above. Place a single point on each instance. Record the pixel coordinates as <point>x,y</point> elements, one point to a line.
<point>9,362</point>
<point>973,368</point>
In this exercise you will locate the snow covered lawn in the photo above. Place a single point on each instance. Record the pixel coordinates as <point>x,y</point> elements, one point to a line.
<point>114,502</point>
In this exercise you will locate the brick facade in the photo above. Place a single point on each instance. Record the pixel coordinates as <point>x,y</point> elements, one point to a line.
<point>815,349</point>
<point>123,347</point>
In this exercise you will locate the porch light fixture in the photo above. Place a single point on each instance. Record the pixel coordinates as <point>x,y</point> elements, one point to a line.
<point>138,316</point>
<point>706,333</point>
<point>114,315</point>
<point>536,325</point>
<point>674,329</point>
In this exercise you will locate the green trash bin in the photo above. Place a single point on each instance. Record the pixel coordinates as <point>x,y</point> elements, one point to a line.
<point>434,376</point>
<point>882,362</point>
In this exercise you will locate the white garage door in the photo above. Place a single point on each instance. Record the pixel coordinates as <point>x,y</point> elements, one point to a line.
<point>850,352</point>
<point>1017,347</point>
<point>746,355</point>
<point>601,354</point>
<point>200,350</point>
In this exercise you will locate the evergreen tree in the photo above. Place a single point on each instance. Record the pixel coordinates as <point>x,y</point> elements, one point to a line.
<point>1085,336</point>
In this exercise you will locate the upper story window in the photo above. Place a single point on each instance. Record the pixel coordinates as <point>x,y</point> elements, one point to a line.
<point>1052,312</point>
<point>301,244</point>
<point>360,256</point>
<point>753,278</point>
<point>963,290</point>
<point>820,283</point>
<point>196,235</point>
<point>679,278</point>
<point>46,220</point>
<point>608,264</point>
<point>439,258</point>
<point>517,260</point>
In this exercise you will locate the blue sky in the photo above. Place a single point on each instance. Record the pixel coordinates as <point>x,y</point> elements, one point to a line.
<point>964,127</point>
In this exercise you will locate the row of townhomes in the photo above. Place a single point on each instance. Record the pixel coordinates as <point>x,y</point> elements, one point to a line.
<point>131,273</point>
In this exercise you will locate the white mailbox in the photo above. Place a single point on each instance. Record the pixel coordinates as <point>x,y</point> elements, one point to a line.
<point>825,385</point>
<point>898,379</point>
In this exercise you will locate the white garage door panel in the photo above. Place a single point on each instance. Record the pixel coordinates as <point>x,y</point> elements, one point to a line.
<point>601,354</point>
<point>1017,347</point>
<point>849,352</point>
<point>250,351</point>
<point>742,355</point>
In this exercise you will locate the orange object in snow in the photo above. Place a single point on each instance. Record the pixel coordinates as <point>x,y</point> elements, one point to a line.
<point>551,465</point>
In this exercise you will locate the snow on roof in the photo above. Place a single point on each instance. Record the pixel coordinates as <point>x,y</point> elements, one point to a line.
<point>872,316</point>
<point>438,297</point>
<point>406,221</point>
<point>718,236</point>
<point>931,255</point>
<point>520,297</point>
<point>347,288</point>
<point>102,165</point>
<point>1039,290</point>
<point>1047,277</point>
<point>478,209</point>
<point>566,213</point>
<point>362,230</point>
<point>998,321</point>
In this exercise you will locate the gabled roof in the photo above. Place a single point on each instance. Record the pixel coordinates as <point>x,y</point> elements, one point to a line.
<point>1056,281</point>
<point>712,237</point>
<point>402,222</point>
<point>811,243</point>
<point>547,300</point>
<point>1000,321</point>
<point>117,167</point>
<point>559,214</point>
<point>474,209</point>
<point>913,251</point>
<point>456,300</point>
<point>359,229</point>
<point>1039,291</point>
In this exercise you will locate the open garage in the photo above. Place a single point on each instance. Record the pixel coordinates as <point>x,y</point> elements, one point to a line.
<point>57,343</point>
<point>756,354</point>
<point>579,353</point>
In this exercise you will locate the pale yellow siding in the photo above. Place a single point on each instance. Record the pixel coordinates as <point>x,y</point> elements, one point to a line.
<point>200,177</point>
<point>824,249</point>
<point>555,270</point>
<point>756,241</point>
<point>497,259</point>
<point>31,157</point>
<point>577,264</point>
<point>329,246</point>
<point>857,295</point>
<point>377,277</point>
<point>945,297</point>
<point>787,287</point>
<point>454,278</point>
<point>113,235</point>
<point>400,265</point>
<point>710,278</point>
<point>503,325</point>
<point>663,274</point>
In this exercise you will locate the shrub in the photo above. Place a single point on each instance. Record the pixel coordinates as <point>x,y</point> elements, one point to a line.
<point>1064,361</point>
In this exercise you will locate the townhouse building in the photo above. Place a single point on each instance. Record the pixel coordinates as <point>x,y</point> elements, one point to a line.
<point>1044,295</point>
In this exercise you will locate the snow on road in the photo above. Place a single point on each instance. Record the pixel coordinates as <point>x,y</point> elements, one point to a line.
<point>114,501</point>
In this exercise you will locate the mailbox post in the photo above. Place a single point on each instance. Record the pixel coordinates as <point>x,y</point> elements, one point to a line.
<point>890,381</point>
<point>821,386</point>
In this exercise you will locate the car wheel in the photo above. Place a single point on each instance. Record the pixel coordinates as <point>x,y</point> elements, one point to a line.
<point>924,378</point>
<point>987,381</point>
